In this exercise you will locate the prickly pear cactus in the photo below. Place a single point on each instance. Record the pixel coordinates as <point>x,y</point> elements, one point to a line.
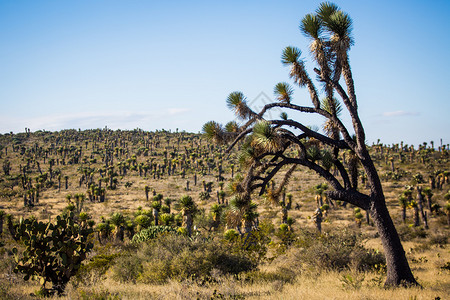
<point>53,251</point>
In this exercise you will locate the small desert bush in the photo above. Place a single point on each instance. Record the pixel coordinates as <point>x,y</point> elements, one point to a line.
<point>178,257</point>
<point>337,250</point>
<point>408,233</point>
<point>95,268</point>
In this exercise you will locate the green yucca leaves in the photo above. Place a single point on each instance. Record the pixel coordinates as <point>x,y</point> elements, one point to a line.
<point>236,102</point>
<point>311,26</point>
<point>187,203</point>
<point>313,153</point>
<point>213,131</point>
<point>266,137</point>
<point>340,23</point>
<point>290,55</point>
<point>326,105</point>
<point>283,91</point>
<point>246,155</point>
<point>325,10</point>
<point>232,126</point>
<point>326,158</point>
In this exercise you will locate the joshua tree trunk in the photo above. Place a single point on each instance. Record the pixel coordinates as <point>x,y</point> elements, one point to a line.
<point>420,204</point>
<point>398,271</point>
<point>429,204</point>
<point>284,215</point>
<point>416,216</point>
<point>188,222</point>
<point>367,217</point>
<point>1,222</point>
<point>118,236</point>
<point>404,214</point>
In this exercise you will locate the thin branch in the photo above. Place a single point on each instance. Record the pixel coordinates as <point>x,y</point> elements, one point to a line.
<point>240,136</point>
<point>311,133</point>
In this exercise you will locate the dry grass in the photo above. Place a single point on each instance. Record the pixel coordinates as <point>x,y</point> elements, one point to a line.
<point>328,285</point>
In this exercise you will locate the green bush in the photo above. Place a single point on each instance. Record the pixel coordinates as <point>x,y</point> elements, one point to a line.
<point>337,250</point>
<point>127,269</point>
<point>96,268</point>
<point>408,233</point>
<point>178,257</point>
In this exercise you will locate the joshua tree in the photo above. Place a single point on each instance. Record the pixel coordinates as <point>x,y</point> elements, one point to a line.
<point>156,207</point>
<point>358,217</point>
<point>142,222</point>
<point>447,212</point>
<point>118,220</point>
<point>289,201</point>
<point>420,204</point>
<point>413,204</point>
<point>317,218</point>
<point>403,201</point>
<point>168,202</point>
<point>146,190</point>
<point>188,209</point>
<point>428,193</point>
<point>6,167</point>
<point>270,145</point>
<point>216,210</point>
<point>2,215</point>
<point>102,232</point>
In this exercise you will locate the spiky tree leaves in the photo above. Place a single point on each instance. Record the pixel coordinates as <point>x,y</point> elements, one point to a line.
<point>311,25</point>
<point>333,107</point>
<point>237,102</point>
<point>232,127</point>
<point>242,213</point>
<point>214,131</point>
<point>283,91</point>
<point>266,137</point>
<point>340,25</point>
<point>291,57</point>
<point>325,10</point>
<point>118,220</point>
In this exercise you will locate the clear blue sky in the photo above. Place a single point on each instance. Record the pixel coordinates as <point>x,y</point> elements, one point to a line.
<point>171,64</point>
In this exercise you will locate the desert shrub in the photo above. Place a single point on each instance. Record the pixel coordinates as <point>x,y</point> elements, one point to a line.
<point>286,236</point>
<point>367,259</point>
<point>96,268</point>
<point>126,269</point>
<point>179,257</point>
<point>253,245</point>
<point>438,239</point>
<point>337,250</point>
<point>408,233</point>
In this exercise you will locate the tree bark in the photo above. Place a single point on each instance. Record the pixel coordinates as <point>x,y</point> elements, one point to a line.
<point>1,223</point>
<point>420,203</point>
<point>404,214</point>
<point>398,270</point>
